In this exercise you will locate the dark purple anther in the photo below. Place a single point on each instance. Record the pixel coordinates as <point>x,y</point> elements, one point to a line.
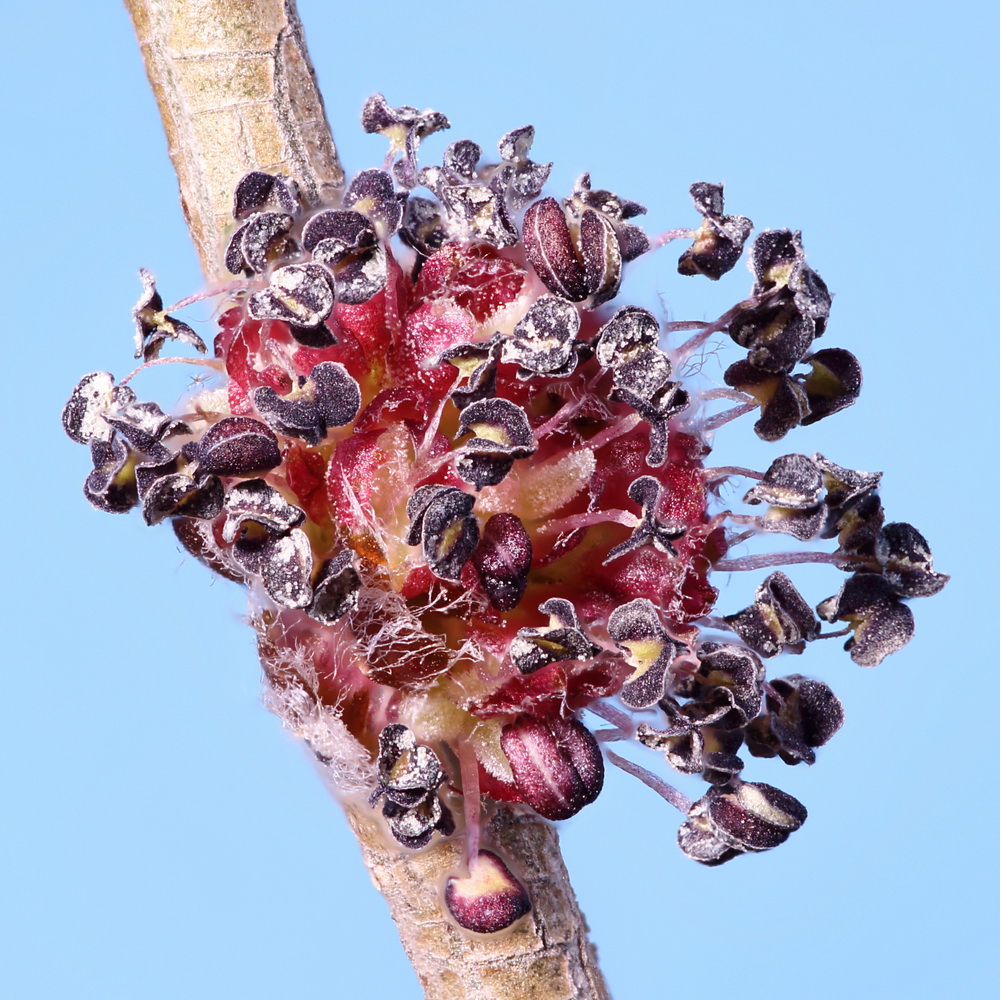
<point>503,559</point>
<point>549,248</point>
<point>237,446</point>
<point>557,764</point>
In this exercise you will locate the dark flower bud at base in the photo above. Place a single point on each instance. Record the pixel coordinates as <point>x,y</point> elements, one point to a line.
<point>489,898</point>
<point>557,764</point>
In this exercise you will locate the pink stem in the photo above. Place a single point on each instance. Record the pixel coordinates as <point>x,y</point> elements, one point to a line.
<point>674,797</point>
<point>204,362</point>
<point>470,800</point>
<point>559,417</point>
<point>839,634</point>
<point>679,325</point>
<point>575,521</point>
<point>765,559</point>
<point>722,471</point>
<point>429,466</point>
<point>433,424</point>
<point>609,735</point>
<point>611,714</point>
<point>617,429</point>
<point>734,394</point>
<point>624,726</point>
<point>690,346</point>
<point>744,519</point>
<point>743,536</point>
<point>673,234</point>
<point>208,293</point>
<point>713,423</point>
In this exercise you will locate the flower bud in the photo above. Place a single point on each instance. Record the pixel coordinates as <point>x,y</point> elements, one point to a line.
<point>489,898</point>
<point>557,764</point>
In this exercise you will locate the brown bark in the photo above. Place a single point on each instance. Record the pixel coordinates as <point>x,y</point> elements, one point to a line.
<point>544,956</point>
<point>236,92</point>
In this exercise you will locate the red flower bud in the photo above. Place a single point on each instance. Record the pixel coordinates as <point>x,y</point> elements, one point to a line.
<point>489,898</point>
<point>557,764</point>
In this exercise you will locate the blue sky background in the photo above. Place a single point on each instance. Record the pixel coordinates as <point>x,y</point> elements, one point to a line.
<point>164,839</point>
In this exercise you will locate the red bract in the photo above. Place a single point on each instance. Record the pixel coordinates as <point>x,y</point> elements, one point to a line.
<point>553,692</point>
<point>428,331</point>
<point>474,276</point>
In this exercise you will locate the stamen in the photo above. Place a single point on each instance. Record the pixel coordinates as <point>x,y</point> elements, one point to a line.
<point>559,417</point>
<point>680,325</point>
<point>616,430</point>
<point>690,346</point>
<point>610,735</point>
<point>744,519</point>
<point>670,235</point>
<point>720,393</point>
<point>839,634</point>
<point>434,423</point>
<point>743,536</point>
<point>615,716</point>
<point>230,288</point>
<point>429,467</point>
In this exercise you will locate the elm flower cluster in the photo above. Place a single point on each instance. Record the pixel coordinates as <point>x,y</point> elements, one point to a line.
<point>469,492</point>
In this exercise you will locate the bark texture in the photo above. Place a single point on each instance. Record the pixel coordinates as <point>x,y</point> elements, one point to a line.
<point>237,93</point>
<point>543,957</point>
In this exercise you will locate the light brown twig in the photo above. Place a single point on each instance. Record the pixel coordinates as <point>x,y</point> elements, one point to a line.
<point>236,92</point>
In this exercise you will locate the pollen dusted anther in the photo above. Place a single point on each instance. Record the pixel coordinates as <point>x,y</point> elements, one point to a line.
<point>469,495</point>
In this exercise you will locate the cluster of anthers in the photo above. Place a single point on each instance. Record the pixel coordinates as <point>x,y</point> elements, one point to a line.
<point>471,500</point>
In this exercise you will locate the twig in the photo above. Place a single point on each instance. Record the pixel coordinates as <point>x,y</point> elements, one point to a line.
<point>236,92</point>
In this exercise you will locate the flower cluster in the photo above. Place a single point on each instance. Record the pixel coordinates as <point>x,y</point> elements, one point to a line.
<point>470,495</point>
